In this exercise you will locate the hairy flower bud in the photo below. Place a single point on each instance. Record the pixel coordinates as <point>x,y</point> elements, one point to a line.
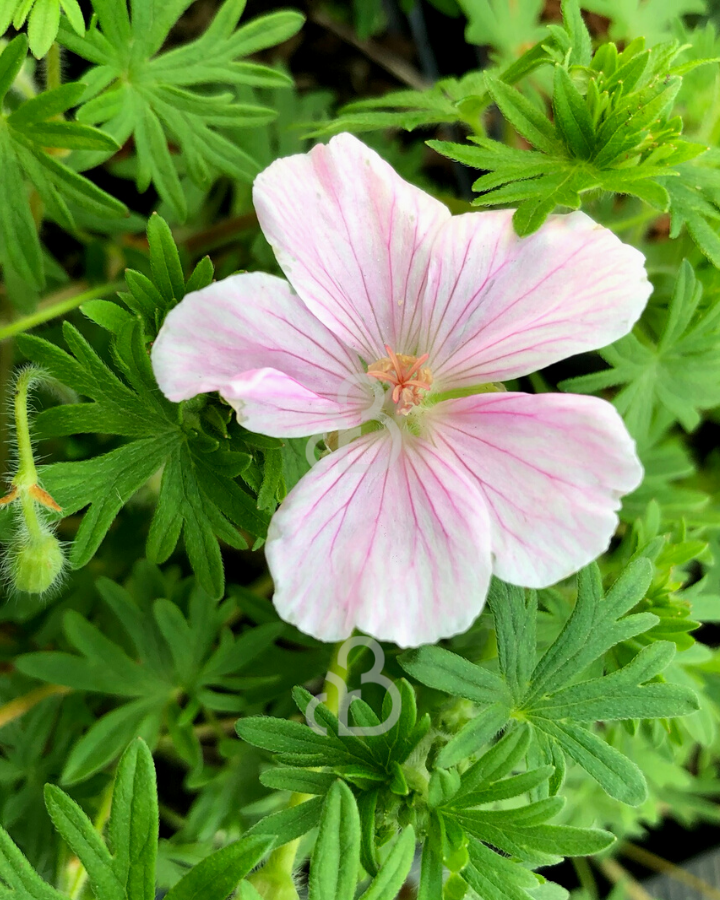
<point>35,560</point>
<point>37,564</point>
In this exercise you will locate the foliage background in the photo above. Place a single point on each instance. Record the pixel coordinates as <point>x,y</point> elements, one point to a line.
<point>163,626</point>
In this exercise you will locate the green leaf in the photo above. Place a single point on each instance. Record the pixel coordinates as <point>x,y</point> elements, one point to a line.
<point>70,135</point>
<point>19,875</point>
<point>133,824</point>
<point>431,865</point>
<point>216,876</point>
<point>579,35</point>
<point>572,115</point>
<point>106,739</point>
<point>335,864</point>
<point>85,842</point>
<point>497,762</point>
<point>106,483</point>
<point>672,371</point>
<point>17,226</point>
<point>287,738</point>
<point>595,625</point>
<point>290,824</point>
<point>392,875</point>
<point>525,118</point>
<point>161,98</point>
<point>72,10</point>
<point>165,261</point>
<point>47,105</point>
<point>43,26</point>
<point>475,734</point>
<point>506,27</point>
<point>619,696</point>
<point>448,672</point>
<point>110,316</point>
<point>301,781</point>
<point>615,773</point>
<point>11,62</point>
<point>515,617</point>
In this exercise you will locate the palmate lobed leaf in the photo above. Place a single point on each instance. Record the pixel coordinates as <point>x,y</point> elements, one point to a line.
<point>161,98</point>
<point>611,130</point>
<point>674,371</point>
<point>199,497</point>
<point>28,138</point>
<point>174,654</point>
<point>544,692</point>
<point>43,19</point>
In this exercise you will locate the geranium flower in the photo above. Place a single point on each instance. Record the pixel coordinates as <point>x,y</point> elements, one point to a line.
<point>397,321</point>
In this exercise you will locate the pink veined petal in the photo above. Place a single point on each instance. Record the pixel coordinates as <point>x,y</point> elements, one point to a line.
<point>552,469</point>
<point>217,338</point>
<point>497,306</point>
<point>270,402</point>
<point>384,535</point>
<point>353,238</point>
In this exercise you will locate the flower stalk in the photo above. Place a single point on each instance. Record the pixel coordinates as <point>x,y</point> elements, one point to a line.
<point>35,559</point>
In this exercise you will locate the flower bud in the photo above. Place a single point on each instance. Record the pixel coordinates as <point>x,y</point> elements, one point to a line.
<point>37,564</point>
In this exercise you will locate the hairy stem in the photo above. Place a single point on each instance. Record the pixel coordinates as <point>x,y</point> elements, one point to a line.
<point>53,68</point>
<point>52,311</point>
<point>26,473</point>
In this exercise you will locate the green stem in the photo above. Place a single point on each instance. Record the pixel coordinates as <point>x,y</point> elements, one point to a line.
<point>585,877</point>
<point>58,309</point>
<point>275,880</point>
<point>53,69</point>
<point>27,473</point>
<point>335,695</point>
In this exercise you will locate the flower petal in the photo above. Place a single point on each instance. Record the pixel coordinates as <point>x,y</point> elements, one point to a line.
<point>552,468</point>
<point>498,306</point>
<point>384,535</point>
<point>270,402</point>
<point>354,240</point>
<point>217,339</point>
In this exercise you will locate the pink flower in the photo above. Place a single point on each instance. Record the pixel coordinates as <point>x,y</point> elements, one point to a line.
<point>402,313</point>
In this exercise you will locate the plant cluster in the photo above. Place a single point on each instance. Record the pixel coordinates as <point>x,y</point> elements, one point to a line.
<point>160,725</point>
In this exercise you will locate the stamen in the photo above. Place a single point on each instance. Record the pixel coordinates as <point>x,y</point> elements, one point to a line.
<point>417,366</point>
<point>407,375</point>
<point>394,360</point>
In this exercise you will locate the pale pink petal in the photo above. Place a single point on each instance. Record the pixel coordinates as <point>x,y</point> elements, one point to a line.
<point>270,402</point>
<point>498,306</point>
<point>552,469</point>
<point>386,535</point>
<point>353,238</point>
<point>217,338</point>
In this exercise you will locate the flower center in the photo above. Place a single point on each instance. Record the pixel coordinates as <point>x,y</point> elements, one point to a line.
<point>409,379</point>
